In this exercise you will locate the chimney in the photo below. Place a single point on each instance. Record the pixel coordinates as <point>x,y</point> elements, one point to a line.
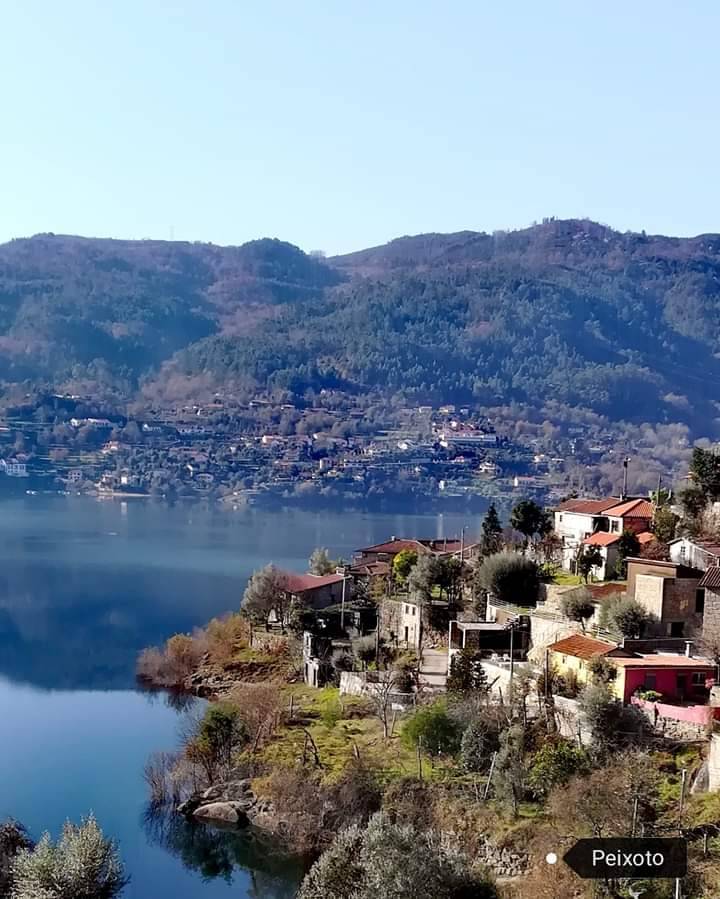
<point>393,538</point>
<point>688,648</point>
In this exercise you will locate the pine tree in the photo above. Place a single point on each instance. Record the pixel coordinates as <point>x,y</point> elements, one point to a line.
<point>491,540</point>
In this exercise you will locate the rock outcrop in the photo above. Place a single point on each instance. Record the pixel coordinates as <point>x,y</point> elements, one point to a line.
<point>231,803</point>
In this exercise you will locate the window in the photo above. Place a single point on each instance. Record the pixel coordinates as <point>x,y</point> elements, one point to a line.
<point>677,628</point>
<point>650,681</point>
<point>700,600</point>
<point>698,678</point>
<point>407,610</point>
<point>414,608</point>
<point>560,517</point>
<point>614,527</point>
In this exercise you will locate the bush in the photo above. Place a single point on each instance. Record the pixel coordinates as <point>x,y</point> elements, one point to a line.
<point>13,839</point>
<point>479,742</point>
<point>510,577</point>
<point>601,712</point>
<point>83,864</point>
<point>554,764</point>
<point>602,669</point>
<point>625,616</point>
<point>391,860</point>
<point>168,667</point>
<point>433,729</point>
<point>466,673</point>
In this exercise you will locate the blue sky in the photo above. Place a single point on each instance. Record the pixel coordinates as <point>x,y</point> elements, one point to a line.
<point>342,125</point>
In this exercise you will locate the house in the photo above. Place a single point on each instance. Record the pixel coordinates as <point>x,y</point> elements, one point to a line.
<point>13,468</point>
<point>607,545</point>
<point>578,519</point>
<point>570,656</point>
<point>700,554</point>
<point>491,639</point>
<point>442,548</point>
<point>671,593</point>
<point>709,597</point>
<point>316,591</point>
<point>679,678</point>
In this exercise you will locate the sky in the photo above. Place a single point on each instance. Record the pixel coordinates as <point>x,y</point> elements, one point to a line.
<point>341,125</point>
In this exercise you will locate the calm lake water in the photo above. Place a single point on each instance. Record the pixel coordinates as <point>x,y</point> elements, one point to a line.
<point>86,584</point>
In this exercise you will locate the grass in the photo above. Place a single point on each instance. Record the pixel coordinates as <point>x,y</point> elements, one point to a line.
<point>349,729</point>
<point>566,579</point>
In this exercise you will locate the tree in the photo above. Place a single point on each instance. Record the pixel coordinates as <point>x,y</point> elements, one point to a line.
<point>320,562</point>
<point>588,557</point>
<point>264,594</point>
<point>491,537</point>
<point>578,606</point>
<point>83,864</point>
<point>705,472</point>
<point>530,519</point>
<point>450,573</point>
<point>433,729</point>
<point>627,546</point>
<point>510,778</point>
<point>479,742</point>
<point>664,524</point>
<point>511,578</point>
<point>554,764</point>
<point>602,670</point>
<point>13,838</point>
<point>219,734</point>
<point>424,575</point>
<point>392,861</point>
<point>403,563</point>
<point>601,712</point>
<point>467,674</point>
<point>625,616</point>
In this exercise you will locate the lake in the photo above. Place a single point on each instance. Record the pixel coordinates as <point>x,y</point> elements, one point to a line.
<point>84,585</point>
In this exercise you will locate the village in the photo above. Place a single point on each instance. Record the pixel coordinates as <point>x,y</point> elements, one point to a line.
<point>281,449</point>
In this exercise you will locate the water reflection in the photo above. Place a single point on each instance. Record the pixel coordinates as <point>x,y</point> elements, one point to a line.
<point>218,853</point>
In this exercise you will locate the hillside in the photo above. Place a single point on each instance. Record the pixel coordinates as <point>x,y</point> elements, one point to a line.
<point>569,316</point>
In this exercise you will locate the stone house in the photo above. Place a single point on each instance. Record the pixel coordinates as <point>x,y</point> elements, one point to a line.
<point>671,593</point>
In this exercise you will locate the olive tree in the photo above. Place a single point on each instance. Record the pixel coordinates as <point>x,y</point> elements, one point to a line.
<point>511,578</point>
<point>392,861</point>
<point>83,864</point>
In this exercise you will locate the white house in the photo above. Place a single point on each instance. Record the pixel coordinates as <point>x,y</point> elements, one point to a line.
<point>700,554</point>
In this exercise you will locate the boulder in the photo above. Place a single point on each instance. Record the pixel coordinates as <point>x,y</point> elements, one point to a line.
<point>223,812</point>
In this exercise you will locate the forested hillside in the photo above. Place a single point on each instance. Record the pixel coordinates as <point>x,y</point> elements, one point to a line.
<point>568,315</point>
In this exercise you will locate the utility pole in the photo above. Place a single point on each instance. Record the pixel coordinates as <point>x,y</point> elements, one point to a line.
<point>512,654</point>
<point>462,544</point>
<point>342,603</point>
<point>626,462</point>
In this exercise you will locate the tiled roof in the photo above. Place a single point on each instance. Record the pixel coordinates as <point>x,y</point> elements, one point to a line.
<point>601,538</point>
<point>394,546</point>
<point>711,578</point>
<point>371,569</point>
<point>300,583</point>
<point>602,591</point>
<point>632,508</point>
<point>645,538</point>
<point>582,647</point>
<point>656,660</point>
<point>588,506</point>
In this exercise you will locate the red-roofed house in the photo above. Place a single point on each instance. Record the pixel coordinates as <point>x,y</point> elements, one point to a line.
<point>315,591</point>
<point>386,552</point>
<point>579,520</point>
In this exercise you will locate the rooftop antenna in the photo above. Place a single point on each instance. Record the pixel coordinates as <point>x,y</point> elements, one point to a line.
<point>626,461</point>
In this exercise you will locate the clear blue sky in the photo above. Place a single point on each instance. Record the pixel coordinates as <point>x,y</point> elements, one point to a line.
<point>339,125</point>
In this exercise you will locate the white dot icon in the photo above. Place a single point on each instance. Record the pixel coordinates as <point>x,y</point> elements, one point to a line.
<point>551,858</point>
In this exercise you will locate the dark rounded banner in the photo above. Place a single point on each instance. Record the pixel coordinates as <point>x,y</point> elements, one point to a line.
<point>641,858</point>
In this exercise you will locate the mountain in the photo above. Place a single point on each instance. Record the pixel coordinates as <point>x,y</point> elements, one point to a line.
<point>568,317</point>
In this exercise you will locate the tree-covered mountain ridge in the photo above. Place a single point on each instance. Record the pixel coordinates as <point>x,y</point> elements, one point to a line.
<point>569,317</point>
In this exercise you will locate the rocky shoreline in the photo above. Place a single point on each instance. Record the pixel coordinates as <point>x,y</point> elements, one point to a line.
<point>232,803</point>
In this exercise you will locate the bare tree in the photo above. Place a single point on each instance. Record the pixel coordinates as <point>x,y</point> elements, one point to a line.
<point>380,695</point>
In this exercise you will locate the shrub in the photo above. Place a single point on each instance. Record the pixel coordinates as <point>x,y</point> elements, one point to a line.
<point>479,742</point>
<point>466,673</point>
<point>432,728</point>
<point>83,864</point>
<point>554,764</point>
<point>626,616</point>
<point>511,577</point>
<point>602,669</point>
<point>13,839</point>
<point>392,860</point>
<point>168,667</point>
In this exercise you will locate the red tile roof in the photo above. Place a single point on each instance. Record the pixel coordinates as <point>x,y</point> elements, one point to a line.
<point>301,583</point>
<point>601,538</point>
<point>645,538</point>
<point>602,591</point>
<point>588,506</point>
<point>394,546</point>
<point>581,647</point>
<point>632,508</point>
<point>371,569</point>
